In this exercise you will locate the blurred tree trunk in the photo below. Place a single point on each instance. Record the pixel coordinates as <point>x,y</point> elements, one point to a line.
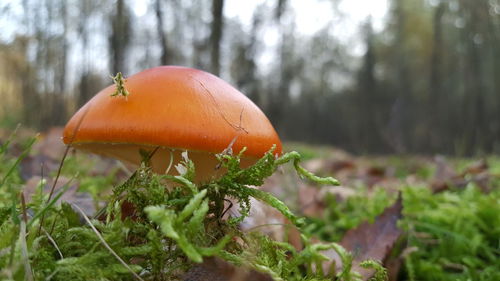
<point>399,118</point>
<point>280,8</point>
<point>288,67</point>
<point>119,38</point>
<point>28,93</point>
<point>164,59</point>
<point>216,35</point>
<point>84,93</point>
<point>494,35</point>
<point>243,67</point>
<point>367,93</point>
<point>55,102</point>
<point>474,105</point>
<point>199,40</point>
<point>64,49</point>
<point>435,101</point>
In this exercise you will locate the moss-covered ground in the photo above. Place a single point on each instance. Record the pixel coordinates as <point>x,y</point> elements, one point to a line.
<point>148,227</point>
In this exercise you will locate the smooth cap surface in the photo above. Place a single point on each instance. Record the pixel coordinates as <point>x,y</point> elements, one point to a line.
<point>174,107</point>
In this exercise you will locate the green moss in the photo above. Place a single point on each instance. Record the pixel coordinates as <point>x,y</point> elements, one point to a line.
<point>461,229</point>
<point>340,216</point>
<point>454,234</point>
<point>171,224</point>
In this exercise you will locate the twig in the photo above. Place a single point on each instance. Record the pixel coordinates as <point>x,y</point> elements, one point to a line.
<point>52,275</point>
<point>171,162</point>
<point>124,168</point>
<point>287,225</point>
<point>106,244</point>
<point>53,242</point>
<point>52,189</point>
<point>23,205</point>
<point>228,208</point>
<point>73,135</point>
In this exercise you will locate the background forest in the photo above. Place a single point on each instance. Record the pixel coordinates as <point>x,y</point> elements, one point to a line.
<point>425,80</point>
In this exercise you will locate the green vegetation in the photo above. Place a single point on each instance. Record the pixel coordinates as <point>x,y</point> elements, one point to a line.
<point>119,82</point>
<point>453,235</point>
<point>456,234</point>
<point>342,216</point>
<point>168,230</point>
<point>450,235</point>
<point>151,232</point>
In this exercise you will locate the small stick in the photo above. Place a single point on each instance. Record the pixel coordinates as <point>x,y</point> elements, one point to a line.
<point>228,208</point>
<point>23,205</point>
<point>53,242</point>
<point>62,163</point>
<point>106,244</point>
<point>53,186</point>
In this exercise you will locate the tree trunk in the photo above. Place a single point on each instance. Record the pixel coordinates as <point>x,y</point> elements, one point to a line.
<point>119,38</point>
<point>367,96</point>
<point>434,118</point>
<point>216,35</point>
<point>164,60</point>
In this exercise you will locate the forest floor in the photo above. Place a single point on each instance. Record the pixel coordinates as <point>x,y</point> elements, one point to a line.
<point>423,218</point>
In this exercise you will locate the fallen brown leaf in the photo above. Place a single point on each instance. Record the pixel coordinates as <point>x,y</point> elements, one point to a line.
<point>339,165</point>
<point>477,167</point>
<point>374,241</point>
<point>371,240</point>
<point>445,177</point>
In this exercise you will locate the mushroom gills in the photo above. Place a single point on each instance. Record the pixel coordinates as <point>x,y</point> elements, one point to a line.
<point>206,164</point>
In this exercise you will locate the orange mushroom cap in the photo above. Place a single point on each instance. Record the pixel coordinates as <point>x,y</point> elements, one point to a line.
<point>176,109</point>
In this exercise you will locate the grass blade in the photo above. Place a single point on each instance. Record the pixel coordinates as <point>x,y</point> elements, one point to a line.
<point>24,253</point>
<point>18,160</point>
<point>50,204</point>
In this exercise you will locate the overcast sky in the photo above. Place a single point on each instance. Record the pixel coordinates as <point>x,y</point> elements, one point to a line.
<point>310,16</point>
<point>313,15</point>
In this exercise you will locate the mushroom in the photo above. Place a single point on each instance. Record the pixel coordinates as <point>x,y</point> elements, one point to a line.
<point>172,109</point>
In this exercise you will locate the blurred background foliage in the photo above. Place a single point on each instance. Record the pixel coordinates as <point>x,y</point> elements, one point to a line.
<point>426,80</point>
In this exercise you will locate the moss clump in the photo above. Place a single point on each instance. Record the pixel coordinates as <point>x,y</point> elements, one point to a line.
<point>156,227</point>
<point>455,234</point>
